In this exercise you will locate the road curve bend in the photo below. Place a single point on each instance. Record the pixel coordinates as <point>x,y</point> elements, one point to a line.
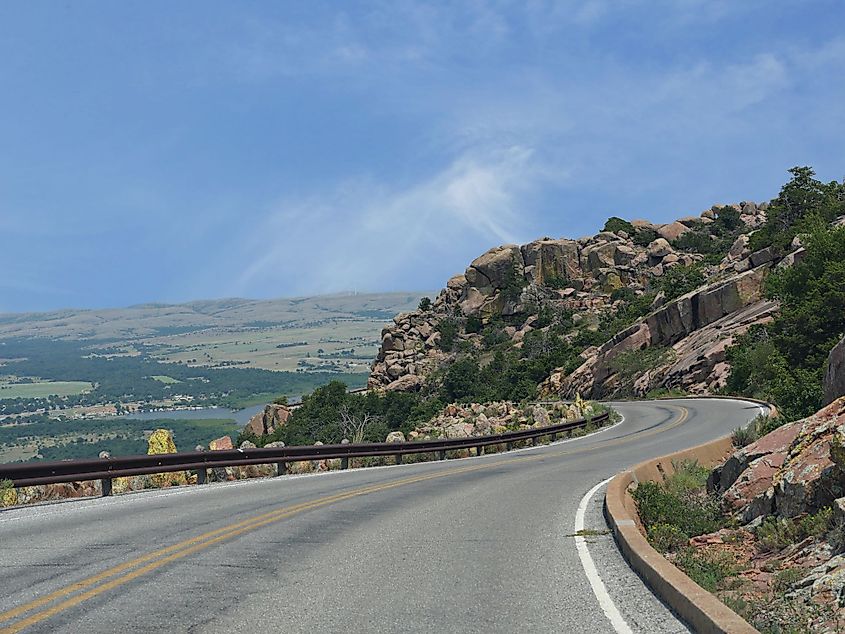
<point>480,544</point>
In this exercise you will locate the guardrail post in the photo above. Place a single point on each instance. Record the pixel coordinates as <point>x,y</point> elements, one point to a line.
<point>105,483</point>
<point>508,446</point>
<point>202,474</point>
<point>441,455</point>
<point>344,462</point>
<point>281,468</point>
<point>399,458</point>
<point>479,450</point>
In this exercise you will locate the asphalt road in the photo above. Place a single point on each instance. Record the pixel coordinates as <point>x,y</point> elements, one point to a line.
<point>480,544</point>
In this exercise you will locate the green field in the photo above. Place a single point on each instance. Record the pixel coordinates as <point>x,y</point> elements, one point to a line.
<point>43,389</point>
<point>60,440</point>
<point>163,378</point>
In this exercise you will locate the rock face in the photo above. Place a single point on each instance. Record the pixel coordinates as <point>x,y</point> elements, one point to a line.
<point>696,328</point>
<point>834,376</point>
<point>510,282</point>
<point>268,421</point>
<point>798,468</point>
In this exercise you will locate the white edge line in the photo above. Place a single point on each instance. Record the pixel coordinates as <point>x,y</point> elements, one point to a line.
<point>605,602</point>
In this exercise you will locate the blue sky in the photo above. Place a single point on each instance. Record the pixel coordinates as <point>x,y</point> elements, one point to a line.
<point>168,151</point>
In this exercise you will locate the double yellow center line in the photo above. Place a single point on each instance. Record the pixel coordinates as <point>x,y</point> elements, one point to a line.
<point>75,593</point>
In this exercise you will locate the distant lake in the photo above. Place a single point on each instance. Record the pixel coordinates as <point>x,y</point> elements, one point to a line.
<point>241,416</point>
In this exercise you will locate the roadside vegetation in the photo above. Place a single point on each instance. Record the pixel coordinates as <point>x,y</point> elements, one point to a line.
<point>675,511</point>
<point>330,413</point>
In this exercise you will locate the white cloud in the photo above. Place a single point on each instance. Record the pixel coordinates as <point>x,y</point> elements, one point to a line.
<point>364,234</point>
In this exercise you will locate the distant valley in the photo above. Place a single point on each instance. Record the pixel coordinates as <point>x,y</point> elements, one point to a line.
<point>64,375</point>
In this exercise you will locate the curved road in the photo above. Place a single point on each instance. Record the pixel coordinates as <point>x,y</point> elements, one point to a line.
<point>481,544</point>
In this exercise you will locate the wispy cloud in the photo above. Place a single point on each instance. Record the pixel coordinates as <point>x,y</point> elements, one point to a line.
<point>364,233</point>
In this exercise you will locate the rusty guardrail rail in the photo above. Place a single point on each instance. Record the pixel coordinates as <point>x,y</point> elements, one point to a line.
<point>105,469</point>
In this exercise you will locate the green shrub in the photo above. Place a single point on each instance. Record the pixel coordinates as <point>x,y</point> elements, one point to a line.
<point>473,324</point>
<point>787,578</point>
<point>679,280</point>
<point>514,283</point>
<point>743,436</point>
<point>493,336</point>
<point>666,392</point>
<point>645,236</point>
<point>697,241</point>
<point>766,423</point>
<point>667,538</point>
<point>775,534</point>
<point>727,220</point>
<point>632,363</point>
<point>681,501</point>
<point>817,524</point>
<point>448,329</point>
<point>778,615</point>
<point>425,304</point>
<point>624,293</point>
<point>545,317</point>
<point>556,282</point>
<point>615,224</point>
<point>461,382</point>
<point>709,569</point>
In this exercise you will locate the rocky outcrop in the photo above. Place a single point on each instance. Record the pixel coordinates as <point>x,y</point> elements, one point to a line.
<point>834,376</point>
<point>511,281</point>
<point>696,328</point>
<point>409,350</point>
<point>798,468</point>
<point>269,420</point>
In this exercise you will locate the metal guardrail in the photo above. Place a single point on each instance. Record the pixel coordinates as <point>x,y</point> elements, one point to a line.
<point>105,469</point>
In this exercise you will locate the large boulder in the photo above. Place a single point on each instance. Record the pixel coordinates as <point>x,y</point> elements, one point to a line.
<point>834,376</point>
<point>395,436</point>
<point>797,468</point>
<point>551,260</point>
<point>221,444</point>
<point>672,231</point>
<point>493,269</point>
<point>269,420</point>
<point>658,249</point>
<point>161,442</point>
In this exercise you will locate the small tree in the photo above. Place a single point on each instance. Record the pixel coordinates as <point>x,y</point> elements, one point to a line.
<point>616,224</point>
<point>425,304</point>
<point>448,329</point>
<point>353,426</point>
<point>282,400</point>
<point>473,324</point>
